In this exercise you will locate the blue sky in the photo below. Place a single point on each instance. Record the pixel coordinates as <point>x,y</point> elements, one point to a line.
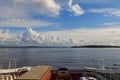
<point>16,15</point>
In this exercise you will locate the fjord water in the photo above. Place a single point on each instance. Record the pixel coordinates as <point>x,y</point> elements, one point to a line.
<point>60,56</point>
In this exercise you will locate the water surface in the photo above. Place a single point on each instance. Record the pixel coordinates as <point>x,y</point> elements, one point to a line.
<point>60,56</point>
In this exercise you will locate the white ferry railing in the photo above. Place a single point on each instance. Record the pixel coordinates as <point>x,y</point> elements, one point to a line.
<point>98,75</point>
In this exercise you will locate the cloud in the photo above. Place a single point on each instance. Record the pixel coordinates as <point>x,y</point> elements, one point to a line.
<point>106,11</point>
<point>8,12</point>
<point>26,13</point>
<point>49,6</point>
<point>111,24</point>
<point>98,1</point>
<point>25,23</point>
<point>27,7</point>
<point>76,9</point>
<point>103,36</point>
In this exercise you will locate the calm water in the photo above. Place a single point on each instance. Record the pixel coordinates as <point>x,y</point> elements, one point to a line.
<point>60,56</point>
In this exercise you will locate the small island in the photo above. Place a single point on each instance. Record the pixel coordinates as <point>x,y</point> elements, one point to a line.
<point>96,46</point>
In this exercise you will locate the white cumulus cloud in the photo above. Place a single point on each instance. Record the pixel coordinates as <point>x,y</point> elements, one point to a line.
<point>75,8</point>
<point>49,6</point>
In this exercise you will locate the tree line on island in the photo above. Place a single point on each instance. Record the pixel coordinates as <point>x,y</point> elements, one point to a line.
<point>96,46</point>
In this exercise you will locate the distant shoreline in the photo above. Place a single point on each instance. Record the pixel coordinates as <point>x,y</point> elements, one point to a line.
<point>84,46</point>
<point>32,47</point>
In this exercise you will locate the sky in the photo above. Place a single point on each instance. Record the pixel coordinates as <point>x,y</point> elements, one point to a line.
<point>59,22</point>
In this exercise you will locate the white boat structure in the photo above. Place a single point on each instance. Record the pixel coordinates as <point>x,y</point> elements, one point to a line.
<point>12,74</point>
<point>88,78</point>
